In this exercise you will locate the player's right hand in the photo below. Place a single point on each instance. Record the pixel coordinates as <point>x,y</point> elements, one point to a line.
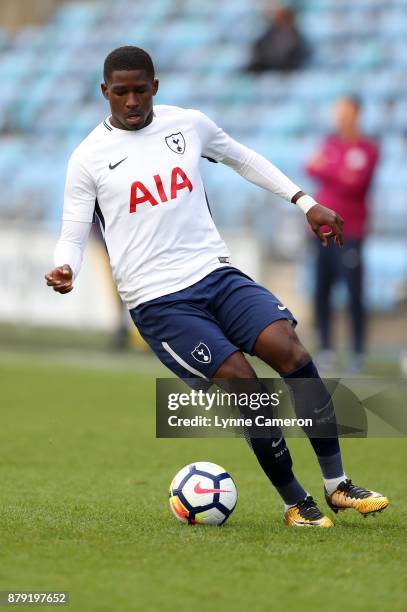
<point>60,279</point>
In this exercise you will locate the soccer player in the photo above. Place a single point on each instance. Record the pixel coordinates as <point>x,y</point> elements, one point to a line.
<point>138,171</point>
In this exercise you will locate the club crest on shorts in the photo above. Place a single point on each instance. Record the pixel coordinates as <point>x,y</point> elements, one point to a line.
<point>176,142</point>
<point>201,353</point>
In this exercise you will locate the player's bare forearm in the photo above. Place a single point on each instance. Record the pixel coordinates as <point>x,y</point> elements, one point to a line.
<point>318,216</point>
<point>60,279</point>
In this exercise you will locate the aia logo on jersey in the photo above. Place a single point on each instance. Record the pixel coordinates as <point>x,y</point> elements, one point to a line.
<point>176,142</point>
<point>201,353</point>
<point>140,194</point>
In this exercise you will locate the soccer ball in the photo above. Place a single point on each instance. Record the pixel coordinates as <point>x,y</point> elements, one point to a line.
<point>203,493</point>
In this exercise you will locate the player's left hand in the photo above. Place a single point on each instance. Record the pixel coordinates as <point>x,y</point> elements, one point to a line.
<point>318,216</point>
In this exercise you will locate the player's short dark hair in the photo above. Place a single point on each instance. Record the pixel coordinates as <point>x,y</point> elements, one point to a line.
<point>128,58</point>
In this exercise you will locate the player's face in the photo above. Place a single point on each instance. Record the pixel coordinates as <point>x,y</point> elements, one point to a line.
<point>130,94</point>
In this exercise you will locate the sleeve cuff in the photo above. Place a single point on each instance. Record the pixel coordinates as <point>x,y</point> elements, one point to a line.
<point>305,203</point>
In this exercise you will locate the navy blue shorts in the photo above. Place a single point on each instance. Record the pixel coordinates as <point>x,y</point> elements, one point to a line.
<point>194,330</point>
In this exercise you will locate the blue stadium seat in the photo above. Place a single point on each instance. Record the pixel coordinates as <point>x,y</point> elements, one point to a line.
<point>386,271</point>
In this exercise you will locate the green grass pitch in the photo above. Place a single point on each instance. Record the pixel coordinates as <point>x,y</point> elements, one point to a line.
<point>84,487</point>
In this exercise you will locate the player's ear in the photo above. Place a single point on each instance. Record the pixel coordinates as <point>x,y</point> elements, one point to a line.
<point>156,84</point>
<point>103,87</point>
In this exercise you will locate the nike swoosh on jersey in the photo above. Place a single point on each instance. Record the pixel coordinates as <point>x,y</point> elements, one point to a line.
<point>113,166</point>
<point>281,307</point>
<point>198,489</point>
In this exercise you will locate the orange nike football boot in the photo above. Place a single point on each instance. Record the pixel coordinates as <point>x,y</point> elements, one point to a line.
<point>306,514</point>
<point>348,495</point>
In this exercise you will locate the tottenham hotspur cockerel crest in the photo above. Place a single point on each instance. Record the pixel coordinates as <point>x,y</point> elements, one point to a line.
<point>201,353</point>
<point>176,143</point>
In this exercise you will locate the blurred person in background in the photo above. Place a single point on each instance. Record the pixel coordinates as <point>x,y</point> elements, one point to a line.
<point>281,46</point>
<point>344,167</point>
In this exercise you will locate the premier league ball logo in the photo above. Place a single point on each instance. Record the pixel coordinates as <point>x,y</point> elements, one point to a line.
<point>176,142</point>
<point>201,353</point>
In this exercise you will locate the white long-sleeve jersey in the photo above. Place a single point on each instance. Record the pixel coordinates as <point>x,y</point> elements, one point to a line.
<point>146,188</point>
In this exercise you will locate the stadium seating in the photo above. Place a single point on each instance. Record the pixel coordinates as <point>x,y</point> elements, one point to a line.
<point>50,97</point>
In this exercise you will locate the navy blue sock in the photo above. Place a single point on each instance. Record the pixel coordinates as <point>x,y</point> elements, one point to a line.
<point>269,445</point>
<point>277,465</point>
<point>310,398</point>
<point>273,455</point>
